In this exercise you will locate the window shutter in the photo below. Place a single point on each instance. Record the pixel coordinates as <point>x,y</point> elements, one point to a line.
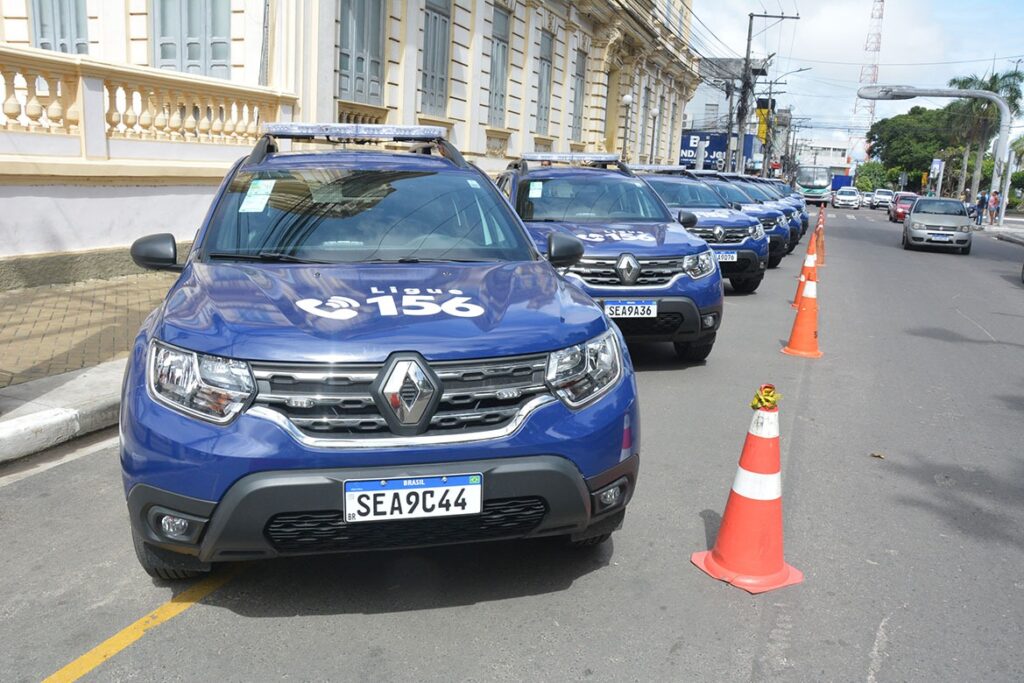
<point>61,25</point>
<point>361,50</point>
<point>435,58</point>
<point>579,82</point>
<point>544,82</point>
<point>499,69</point>
<point>193,36</point>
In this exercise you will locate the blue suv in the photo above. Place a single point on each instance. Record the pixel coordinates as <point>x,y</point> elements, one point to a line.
<point>738,240</point>
<point>365,350</point>
<point>656,280</point>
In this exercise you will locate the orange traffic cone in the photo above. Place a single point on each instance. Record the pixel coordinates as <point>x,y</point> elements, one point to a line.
<point>748,551</point>
<point>810,265</point>
<point>820,239</point>
<point>803,340</point>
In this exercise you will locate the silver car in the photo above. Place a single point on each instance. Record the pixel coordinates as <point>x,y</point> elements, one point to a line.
<point>937,222</point>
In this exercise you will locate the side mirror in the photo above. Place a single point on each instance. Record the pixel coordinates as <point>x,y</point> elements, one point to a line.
<point>687,219</point>
<point>735,206</point>
<point>156,252</point>
<point>563,250</point>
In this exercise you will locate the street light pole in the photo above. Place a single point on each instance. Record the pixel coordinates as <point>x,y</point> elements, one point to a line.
<point>907,92</point>
<point>769,133</point>
<point>627,100</point>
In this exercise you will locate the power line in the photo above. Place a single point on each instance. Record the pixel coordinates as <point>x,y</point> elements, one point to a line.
<point>961,61</point>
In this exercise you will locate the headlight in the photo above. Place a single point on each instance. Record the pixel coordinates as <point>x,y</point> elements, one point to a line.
<point>699,265</point>
<point>755,230</point>
<point>917,226</point>
<point>965,228</point>
<point>781,221</point>
<point>208,387</point>
<point>582,373</point>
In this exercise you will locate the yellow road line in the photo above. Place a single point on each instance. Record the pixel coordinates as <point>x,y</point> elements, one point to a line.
<point>122,639</point>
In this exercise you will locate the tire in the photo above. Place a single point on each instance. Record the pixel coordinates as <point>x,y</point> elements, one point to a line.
<point>747,285</point>
<point>792,245</point>
<point>904,241</point>
<point>1022,274</point>
<point>964,251</point>
<point>775,259</point>
<point>693,353</point>
<point>589,542</point>
<point>162,564</point>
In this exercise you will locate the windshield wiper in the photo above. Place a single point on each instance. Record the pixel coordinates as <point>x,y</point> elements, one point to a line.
<point>416,259</point>
<point>267,256</point>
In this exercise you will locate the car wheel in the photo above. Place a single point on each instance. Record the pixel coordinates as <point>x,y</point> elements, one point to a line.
<point>791,246</point>
<point>964,251</point>
<point>904,241</point>
<point>775,259</point>
<point>747,285</point>
<point>162,564</point>
<point>691,352</point>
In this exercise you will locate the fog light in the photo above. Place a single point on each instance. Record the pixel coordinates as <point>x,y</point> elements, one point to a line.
<point>173,526</point>
<point>707,320</point>
<point>610,497</point>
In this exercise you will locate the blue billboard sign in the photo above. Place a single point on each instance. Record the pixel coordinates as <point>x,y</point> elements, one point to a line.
<point>717,145</point>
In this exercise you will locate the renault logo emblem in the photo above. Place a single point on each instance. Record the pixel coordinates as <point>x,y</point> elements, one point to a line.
<point>407,393</point>
<point>628,269</point>
<point>719,233</point>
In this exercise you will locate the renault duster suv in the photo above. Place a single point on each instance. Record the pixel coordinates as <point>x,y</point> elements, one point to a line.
<point>365,350</point>
<point>656,280</point>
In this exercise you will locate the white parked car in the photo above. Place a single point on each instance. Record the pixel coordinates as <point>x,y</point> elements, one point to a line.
<point>881,198</point>
<point>846,198</point>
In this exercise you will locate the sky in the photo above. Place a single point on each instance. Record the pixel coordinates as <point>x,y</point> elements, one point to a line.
<point>913,31</point>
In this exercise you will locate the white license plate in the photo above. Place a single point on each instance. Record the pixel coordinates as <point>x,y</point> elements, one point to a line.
<point>642,308</point>
<point>726,256</point>
<point>941,238</point>
<point>371,500</point>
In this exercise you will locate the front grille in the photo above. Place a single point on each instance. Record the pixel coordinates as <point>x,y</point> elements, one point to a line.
<point>731,236</point>
<point>326,530</point>
<point>327,400</point>
<point>664,324</point>
<point>940,228</point>
<point>653,272</point>
<point>740,265</point>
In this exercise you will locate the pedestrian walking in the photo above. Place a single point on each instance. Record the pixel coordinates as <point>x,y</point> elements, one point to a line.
<point>980,207</point>
<point>993,207</point>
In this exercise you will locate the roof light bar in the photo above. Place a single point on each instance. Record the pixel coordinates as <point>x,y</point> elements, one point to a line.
<point>659,168</point>
<point>354,131</point>
<point>572,157</point>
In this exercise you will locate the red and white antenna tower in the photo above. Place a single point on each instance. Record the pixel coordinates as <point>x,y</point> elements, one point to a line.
<point>864,110</point>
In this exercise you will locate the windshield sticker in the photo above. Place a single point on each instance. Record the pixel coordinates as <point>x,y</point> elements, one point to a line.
<point>256,196</point>
<point>617,236</point>
<point>395,301</point>
<point>472,183</point>
<point>536,190</point>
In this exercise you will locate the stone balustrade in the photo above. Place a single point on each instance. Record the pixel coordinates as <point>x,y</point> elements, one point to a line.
<point>59,95</point>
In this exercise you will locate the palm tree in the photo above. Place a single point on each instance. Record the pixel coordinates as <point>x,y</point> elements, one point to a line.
<point>960,111</point>
<point>985,115</point>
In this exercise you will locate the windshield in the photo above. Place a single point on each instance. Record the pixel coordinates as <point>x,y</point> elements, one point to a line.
<point>847,190</point>
<point>813,176</point>
<point>755,191</point>
<point>769,190</point>
<point>730,192</point>
<point>940,207</point>
<point>342,215</point>
<point>883,193</point>
<point>905,200</point>
<point>683,193</point>
<point>589,197</point>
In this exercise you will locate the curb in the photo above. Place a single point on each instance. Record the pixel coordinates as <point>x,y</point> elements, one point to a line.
<point>1010,237</point>
<point>46,412</point>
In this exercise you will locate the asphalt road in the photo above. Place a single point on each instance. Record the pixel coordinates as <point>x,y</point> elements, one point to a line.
<point>914,562</point>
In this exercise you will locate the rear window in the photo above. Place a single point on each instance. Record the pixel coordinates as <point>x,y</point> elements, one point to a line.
<point>589,198</point>
<point>348,215</point>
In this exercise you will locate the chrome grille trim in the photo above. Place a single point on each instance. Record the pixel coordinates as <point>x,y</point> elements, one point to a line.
<point>600,272</point>
<point>731,236</point>
<point>335,403</point>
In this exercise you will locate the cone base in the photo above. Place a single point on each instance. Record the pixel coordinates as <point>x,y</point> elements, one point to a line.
<point>787,576</point>
<point>802,354</point>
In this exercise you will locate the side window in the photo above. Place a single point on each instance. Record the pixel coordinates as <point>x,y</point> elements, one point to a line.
<point>504,184</point>
<point>60,25</point>
<point>193,36</point>
<point>360,50</point>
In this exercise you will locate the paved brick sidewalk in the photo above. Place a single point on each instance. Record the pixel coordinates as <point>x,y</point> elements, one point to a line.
<point>51,330</point>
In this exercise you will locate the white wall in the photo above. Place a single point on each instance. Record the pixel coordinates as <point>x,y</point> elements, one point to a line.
<point>39,219</point>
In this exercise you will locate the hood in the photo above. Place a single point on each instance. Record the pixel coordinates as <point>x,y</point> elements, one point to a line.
<point>612,239</point>
<point>365,312</point>
<point>727,218</point>
<point>761,211</point>
<point>940,220</point>
<point>785,208</point>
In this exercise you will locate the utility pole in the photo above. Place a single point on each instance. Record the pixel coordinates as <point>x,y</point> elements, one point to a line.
<point>747,84</point>
<point>730,88</point>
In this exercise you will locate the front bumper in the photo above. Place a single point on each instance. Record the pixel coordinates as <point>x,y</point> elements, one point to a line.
<point>679,320</point>
<point>943,239</point>
<point>300,512</point>
<point>748,263</point>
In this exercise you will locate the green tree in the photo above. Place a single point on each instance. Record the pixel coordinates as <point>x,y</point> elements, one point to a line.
<point>982,117</point>
<point>910,141</point>
<point>870,176</point>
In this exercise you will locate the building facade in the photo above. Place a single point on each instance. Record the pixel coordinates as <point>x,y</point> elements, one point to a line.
<point>142,103</point>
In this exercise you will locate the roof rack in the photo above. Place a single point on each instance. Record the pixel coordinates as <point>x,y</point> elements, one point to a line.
<point>581,158</point>
<point>662,168</point>
<point>432,138</point>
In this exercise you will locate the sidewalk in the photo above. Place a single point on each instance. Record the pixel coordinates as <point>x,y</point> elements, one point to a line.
<point>62,350</point>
